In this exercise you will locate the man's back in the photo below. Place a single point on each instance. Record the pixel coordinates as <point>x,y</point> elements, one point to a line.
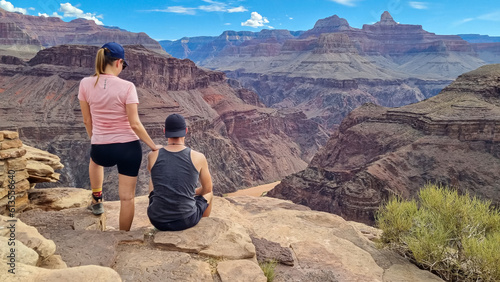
<point>174,201</point>
<point>175,179</point>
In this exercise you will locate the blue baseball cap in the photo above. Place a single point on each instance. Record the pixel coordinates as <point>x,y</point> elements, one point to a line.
<point>116,51</point>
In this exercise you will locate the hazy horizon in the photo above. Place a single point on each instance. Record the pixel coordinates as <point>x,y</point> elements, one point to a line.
<point>174,19</point>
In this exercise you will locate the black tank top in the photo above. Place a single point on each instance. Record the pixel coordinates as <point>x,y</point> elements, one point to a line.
<point>175,179</point>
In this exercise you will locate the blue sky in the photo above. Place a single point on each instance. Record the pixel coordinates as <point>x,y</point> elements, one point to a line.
<point>175,19</point>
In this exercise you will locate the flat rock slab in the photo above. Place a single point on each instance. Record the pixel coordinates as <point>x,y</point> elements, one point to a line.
<point>240,271</point>
<point>59,198</point>
<point>347,263</point>
<point>48,222</point>
<point>400,272</point>
<point>137,264</point>
<point>86,247</point>
<point>214,237</point>
<point>28,273</point>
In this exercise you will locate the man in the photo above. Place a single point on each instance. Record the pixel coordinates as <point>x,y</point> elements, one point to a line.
<point>174,201</point>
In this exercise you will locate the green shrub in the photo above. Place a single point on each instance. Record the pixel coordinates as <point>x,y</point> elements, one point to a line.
<point>455,236</point>
<point>268,269</point>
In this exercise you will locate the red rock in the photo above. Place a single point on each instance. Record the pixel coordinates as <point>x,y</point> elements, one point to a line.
<point>37,32</point>
<point>451,139</point>
<point>229,124</point>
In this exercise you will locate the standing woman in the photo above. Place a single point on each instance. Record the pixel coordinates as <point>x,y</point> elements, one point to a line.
<point>109,109</point>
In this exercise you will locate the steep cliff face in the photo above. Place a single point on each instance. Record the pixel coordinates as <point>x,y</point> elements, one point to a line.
<point>452,139</point>
<point>23,32</point>
<point>240,139</point>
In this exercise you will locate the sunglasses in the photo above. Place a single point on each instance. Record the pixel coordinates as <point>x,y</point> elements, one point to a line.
<point>124,64</point>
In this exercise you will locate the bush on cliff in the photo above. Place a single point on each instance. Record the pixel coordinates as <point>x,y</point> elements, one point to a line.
<point>455,236</point>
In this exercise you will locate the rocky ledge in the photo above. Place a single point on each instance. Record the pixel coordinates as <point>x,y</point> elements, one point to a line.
<point>72,244</point>
<point>451,139</point>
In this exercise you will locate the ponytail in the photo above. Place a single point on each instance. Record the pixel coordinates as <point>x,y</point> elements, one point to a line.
<point>101,61</point>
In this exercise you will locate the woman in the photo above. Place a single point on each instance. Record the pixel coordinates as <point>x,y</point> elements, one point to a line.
<point>109,109</point>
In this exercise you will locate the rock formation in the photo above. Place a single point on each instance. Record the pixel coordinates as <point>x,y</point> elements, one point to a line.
<point>451,139</point>
<point>245,143</point>
<point>227,246</point>
<point>22,166</point>
<point>333,68</point>
<point>29,34</point>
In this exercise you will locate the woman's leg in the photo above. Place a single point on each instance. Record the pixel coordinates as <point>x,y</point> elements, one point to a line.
<point>126,192</point>
<point>96,175</point>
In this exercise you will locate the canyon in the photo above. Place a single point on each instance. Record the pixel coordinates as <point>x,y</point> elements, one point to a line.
<point>245,142</point>
<point>333,68</point>
<point>451,139</point>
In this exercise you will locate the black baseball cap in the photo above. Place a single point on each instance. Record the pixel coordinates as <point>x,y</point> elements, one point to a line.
<point>175,126</point>
<point>116,51</point>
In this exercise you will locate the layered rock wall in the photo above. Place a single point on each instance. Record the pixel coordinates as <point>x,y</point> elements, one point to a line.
<point>451,139</point>
<point>14,175</point>
<point>25,30</point>
<point>21,167</point>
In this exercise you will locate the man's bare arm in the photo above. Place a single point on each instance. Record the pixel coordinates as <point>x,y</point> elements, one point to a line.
<point>205,178</point>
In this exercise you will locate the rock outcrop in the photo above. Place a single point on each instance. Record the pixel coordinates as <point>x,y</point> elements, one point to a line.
<point>29,34</point>
<point>21,167</point>
<point>227,246</point>
<point>451,139</point>
<point>245,143</point>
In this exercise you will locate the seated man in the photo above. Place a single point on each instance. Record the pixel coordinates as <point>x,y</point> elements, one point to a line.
<point>174,201</point>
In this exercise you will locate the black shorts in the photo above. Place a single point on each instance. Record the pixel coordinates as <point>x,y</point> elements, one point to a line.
<point>126,156</point>
<point>185,223</point>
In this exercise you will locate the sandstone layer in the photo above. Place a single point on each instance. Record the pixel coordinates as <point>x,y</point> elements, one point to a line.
<point>451,139</point>
<point>245,142</point>
<point>227,246</point>
<point>21,167</point>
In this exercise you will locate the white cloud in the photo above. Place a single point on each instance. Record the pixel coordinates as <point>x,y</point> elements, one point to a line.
<point>55,14</point>
<point>419,5</point>
<point>227,24</point>
<point>493,16</point>
<point>213,7</point>
<point>7,6</point>
<point>177,10</point>
<point>221,7</point>
<point>350,3</point>
<point>457,23</point>
<point>71,11</point>
<point>256,20</point>
<point>237,9</point>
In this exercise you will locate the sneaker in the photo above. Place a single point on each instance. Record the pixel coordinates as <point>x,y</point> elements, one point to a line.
<point>96,206</point>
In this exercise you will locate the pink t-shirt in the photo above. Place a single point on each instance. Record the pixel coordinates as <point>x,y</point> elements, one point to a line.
<point>107,102</point>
